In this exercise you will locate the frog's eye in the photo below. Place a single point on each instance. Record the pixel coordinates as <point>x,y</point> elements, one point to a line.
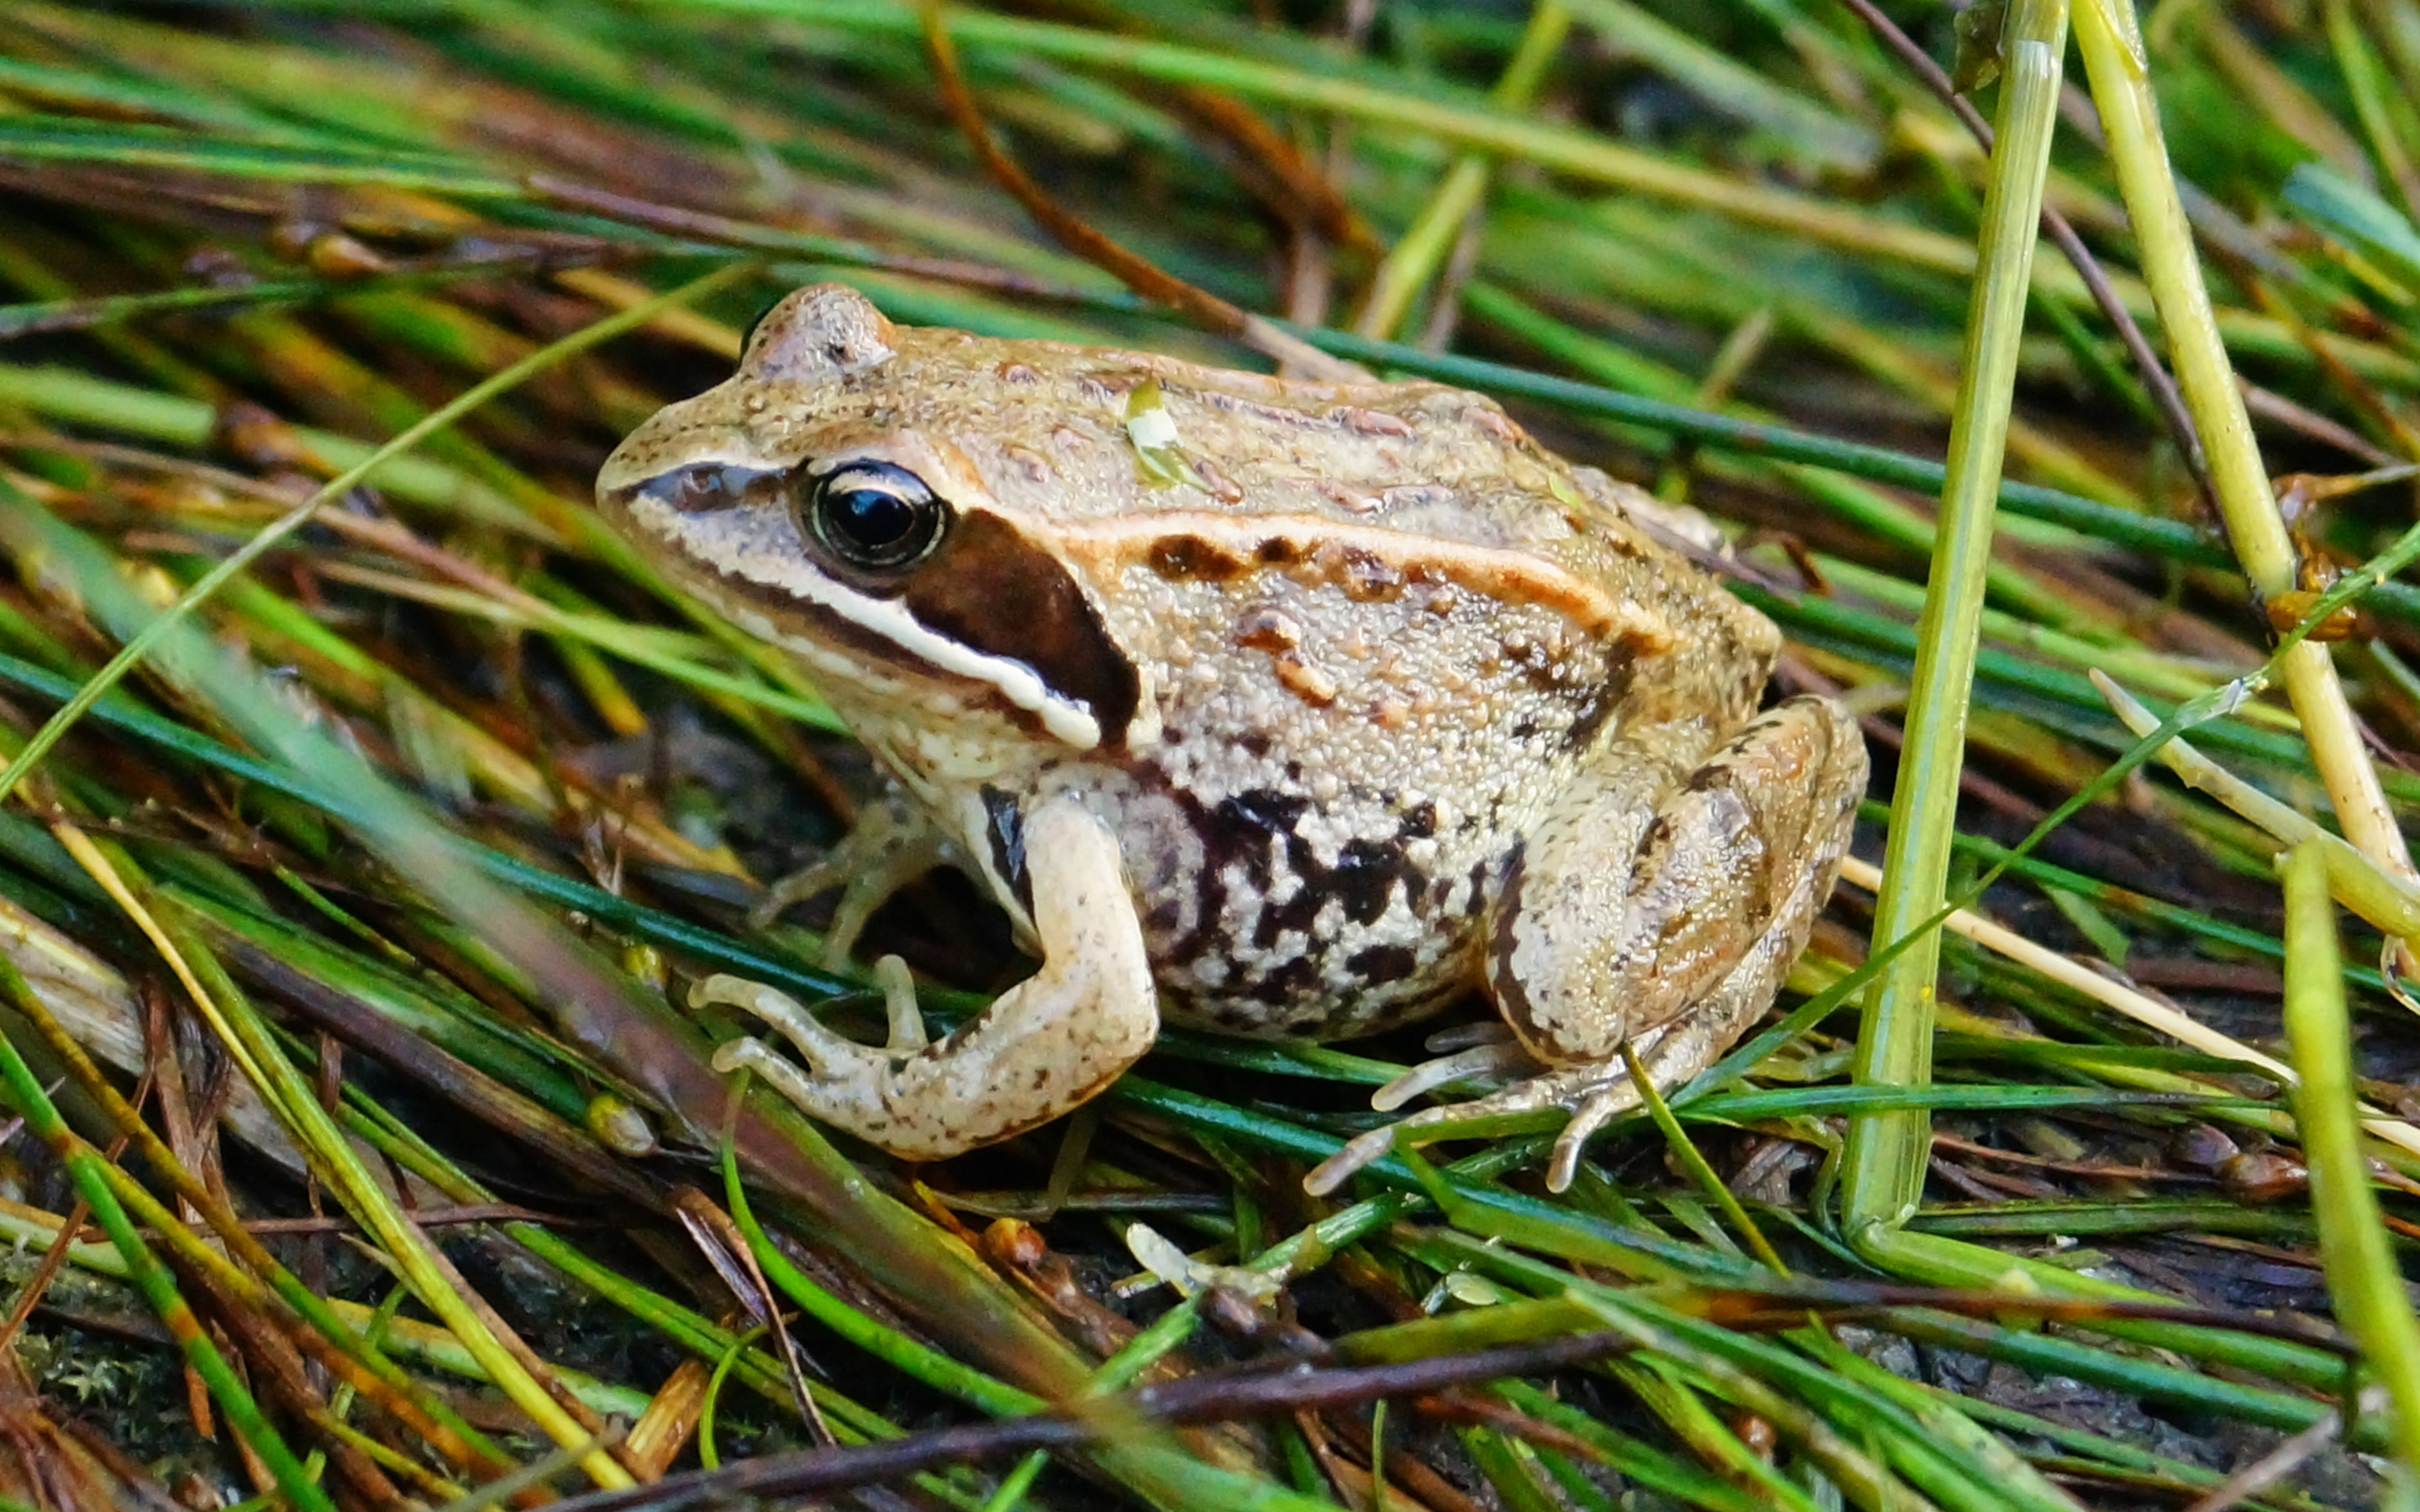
<point>874,515</point>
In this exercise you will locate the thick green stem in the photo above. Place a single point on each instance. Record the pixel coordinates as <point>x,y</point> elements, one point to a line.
<point>1886,1151</point>
<point>2354,1249</point>
<point>2112,48</point>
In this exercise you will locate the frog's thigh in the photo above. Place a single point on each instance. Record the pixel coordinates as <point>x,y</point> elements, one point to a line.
<point>1042,1048</point>
<point>1668,924</point>
<point>1625,913</point>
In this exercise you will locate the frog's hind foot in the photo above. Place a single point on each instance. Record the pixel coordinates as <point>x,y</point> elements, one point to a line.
<point>888,847</point>
<point>1595,1095</point>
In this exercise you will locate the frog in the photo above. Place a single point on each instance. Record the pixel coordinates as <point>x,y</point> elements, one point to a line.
<point>1282,709</point>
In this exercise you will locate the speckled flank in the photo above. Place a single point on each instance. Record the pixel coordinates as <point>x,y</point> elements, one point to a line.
<point>1309,866</point>
<point>1305,708</point>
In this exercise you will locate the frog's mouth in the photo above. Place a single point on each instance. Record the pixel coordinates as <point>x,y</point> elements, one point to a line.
<point>985,607</point>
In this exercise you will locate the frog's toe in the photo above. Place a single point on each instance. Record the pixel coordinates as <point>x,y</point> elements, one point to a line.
<point>864,1090</point>
<point>888,848</point>
<point>1483,1053</point>
<point>1668,1056</point>
<point>779,1010</point>
<point>786,892</point>
<point>1491,1061</point>
<point>1465,1036</point>
<point>1607,1102</point>
<point>1533,1095</point>
<point>871,886</point>
<point>1594,1094</point>
<point>1362,1150</point>
<point>819,1091</point>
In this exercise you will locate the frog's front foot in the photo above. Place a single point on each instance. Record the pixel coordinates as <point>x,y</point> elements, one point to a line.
<point>1043,1047</point>
<point>890,847</point>
<point>844,1072</point>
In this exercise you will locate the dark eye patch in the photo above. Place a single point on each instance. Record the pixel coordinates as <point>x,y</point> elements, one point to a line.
<point>990,589</point>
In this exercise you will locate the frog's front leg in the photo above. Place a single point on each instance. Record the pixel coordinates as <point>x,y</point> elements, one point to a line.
<point>1043,1047</point>
<point>890,845</point>
<point>1658,906</point>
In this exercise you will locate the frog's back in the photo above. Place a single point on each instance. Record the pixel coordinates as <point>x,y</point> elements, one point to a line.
<point>1384,630</point>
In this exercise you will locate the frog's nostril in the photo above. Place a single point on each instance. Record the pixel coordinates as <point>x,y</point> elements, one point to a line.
<point>708,487</point>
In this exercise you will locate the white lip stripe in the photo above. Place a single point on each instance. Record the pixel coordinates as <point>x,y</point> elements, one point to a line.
<point>1069,720</point>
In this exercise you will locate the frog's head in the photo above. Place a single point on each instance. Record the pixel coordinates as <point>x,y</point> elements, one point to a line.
<point>814,500</point>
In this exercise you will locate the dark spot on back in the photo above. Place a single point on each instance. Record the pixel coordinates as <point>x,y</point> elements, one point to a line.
<point>1264,629</point>
<point>1367,577</point>
<point>1189,557</point>
<point>1419,822</point>
<point>1601,701</point>
<point>1373,421</point>
<point>1364,877</point>
<point>1237,404</point>
<point>1254,815</point>
<point>1297,977</point>
<point>1590,719</point>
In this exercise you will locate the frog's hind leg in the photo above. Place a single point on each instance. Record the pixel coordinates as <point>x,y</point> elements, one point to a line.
<point>1043,1047</point>
<point>1660,907</point>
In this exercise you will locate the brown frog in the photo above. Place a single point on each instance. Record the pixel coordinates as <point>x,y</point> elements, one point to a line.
<point>1289,710</point>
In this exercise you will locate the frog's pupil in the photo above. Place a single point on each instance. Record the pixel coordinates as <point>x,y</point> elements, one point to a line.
<point>876,515</point>
<point>872,519</point>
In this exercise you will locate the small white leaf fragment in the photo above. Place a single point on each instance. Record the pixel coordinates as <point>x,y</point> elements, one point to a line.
<point>1153,431</point>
